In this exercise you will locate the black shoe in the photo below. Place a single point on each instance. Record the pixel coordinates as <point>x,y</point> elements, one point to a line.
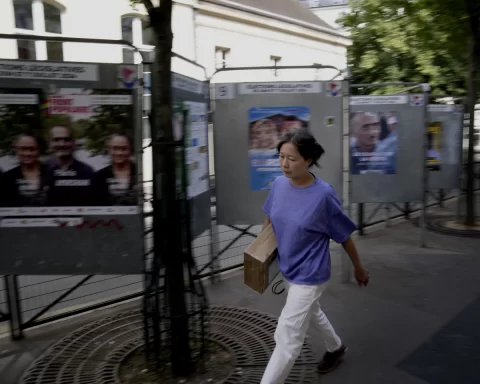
<point>331,360</point>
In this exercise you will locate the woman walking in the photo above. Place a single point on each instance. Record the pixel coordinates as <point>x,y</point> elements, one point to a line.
<point>305,213</point>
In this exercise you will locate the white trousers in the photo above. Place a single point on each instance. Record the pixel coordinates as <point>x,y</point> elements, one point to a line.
<point>302,306</point>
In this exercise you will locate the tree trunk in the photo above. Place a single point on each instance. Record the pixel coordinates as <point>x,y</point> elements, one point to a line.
<point>474,21</point>
<point>166,211</point>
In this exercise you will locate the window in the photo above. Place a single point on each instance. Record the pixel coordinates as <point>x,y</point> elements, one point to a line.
<point>136,30</point>
<point>221,57</point>
<point>54,51</point>
<point>317,74</point>
<point>274,61</point>
<point>128,56</point>
<point>23,14</point>
<point>147,35</point>
<point>127,29</point>
<point>26,50</point>
<point>38,17</point>
<point>53,19</point>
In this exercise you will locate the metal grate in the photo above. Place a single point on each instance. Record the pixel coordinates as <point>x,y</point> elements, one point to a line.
<point>93,354</point>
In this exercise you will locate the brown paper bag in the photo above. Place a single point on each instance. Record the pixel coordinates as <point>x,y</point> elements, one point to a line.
<point>260,261</point>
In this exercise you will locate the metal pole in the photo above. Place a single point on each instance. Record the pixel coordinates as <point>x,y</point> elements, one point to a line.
<point>14,307</point>
<point>313,66</point>
<point>360,212</point>
<point>387,215</point>
<point>346,275</point>
<point>407,211</point>
<point>441,198</point>
<point>423,221</point>
<point>214,239</point>
<point>386,85</point>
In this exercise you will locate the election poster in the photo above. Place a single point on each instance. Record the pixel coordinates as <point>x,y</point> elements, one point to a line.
<point>20,145</point>
<point>80,159</point>
<point>434,148</point>
<point>196,146</point>
<point>374,142</point>
<point>266,127</point>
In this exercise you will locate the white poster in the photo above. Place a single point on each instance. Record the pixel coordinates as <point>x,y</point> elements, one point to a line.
<point>299,87</point>
<point>197,149</point>
<point>48,71</point>
<point>378,100</point>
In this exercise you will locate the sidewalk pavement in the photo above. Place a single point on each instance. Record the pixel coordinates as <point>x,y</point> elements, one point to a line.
<point>417,321</point>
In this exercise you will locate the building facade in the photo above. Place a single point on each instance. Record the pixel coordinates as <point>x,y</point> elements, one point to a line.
<point>214,33</point>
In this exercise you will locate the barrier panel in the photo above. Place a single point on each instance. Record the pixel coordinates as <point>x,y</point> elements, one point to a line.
<point>387,150</point>
<point>193,95</point>
<point>445,139</point>
<point>249,121</point>
<point>71,190</point>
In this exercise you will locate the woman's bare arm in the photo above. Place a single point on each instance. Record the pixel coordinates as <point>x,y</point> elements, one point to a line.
<point>266,222</point>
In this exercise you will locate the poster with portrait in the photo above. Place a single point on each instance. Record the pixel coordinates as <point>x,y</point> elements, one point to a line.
<point>434,148</point>
<point>79,160</point>
<point>374,142</point>
<point>19,126</point>
<point>266,127</point>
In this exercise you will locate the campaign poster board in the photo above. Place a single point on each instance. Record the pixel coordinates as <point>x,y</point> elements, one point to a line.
<point>444,151</point>
<point>192,95</point>
<point>70,196</point>
<point>387,156</point>
<point>266,127</point>
<point>244,172</point>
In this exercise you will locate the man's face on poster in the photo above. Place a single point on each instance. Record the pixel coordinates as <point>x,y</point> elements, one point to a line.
<point>119,149</point>
<point>26,150</point>
<point>61,141</point>
<point>290,126</point>
<point>264,134</point>
<point>366,128</point>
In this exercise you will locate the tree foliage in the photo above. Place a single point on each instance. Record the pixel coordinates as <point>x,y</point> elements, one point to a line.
<point>409,41</point>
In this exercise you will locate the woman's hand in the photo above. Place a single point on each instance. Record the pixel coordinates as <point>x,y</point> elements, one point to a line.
<point>362,276</point>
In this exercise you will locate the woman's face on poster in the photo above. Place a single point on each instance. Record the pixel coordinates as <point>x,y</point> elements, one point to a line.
<point>290,126</point>
<point>264,135</point>
<point>27,150</point>
<point>119,149</point>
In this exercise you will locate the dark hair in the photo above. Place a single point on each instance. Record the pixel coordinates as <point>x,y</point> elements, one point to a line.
<point>306,144</point>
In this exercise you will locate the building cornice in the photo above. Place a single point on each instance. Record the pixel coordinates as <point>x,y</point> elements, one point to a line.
<point>310,29</point>
<point>226,13</point>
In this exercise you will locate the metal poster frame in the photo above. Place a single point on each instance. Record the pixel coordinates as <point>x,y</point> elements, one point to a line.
<point>345,269</point>
<point>14,313</point>
<point>461,175</point>
<point>425,89</point>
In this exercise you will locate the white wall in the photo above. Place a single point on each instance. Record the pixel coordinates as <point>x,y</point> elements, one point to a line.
<point>252,46</point>
<point>92,19</point>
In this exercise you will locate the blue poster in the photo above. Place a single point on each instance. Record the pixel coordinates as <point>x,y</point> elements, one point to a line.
<point>266,126</point>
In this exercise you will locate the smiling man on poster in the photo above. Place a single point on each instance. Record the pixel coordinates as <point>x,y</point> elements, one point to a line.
<point>70,180</point>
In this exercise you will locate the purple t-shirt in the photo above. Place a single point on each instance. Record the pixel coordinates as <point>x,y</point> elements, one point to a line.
<point>304,219</point>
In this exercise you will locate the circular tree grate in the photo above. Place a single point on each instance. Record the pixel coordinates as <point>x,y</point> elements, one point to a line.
<point>93,354</point>
<point>447,225</point>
